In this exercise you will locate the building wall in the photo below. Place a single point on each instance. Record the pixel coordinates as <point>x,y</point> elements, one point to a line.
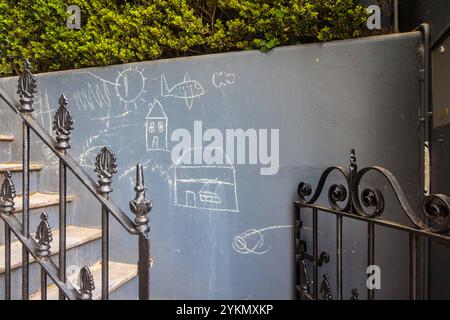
<point>324,99</point>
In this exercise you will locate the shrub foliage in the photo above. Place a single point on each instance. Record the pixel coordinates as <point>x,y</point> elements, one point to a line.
<point>120,31</point>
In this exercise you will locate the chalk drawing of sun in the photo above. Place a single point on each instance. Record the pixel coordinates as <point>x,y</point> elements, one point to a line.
<point>130,86</point>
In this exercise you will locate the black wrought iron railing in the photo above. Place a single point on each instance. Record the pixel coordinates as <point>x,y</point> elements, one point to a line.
<point>40,247</point>
<point>366,205</point>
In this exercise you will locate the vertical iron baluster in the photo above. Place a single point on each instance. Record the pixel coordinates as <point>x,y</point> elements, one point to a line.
<point>105,167</point>
<point>44,238</point>
<point>62,125</point>
<point>7,262</point>
<point>25,209</point>
<point>7,195</point>
<point>371,254</point>
<point>339,256</point>
<point>43,285</point>
<point>413,266</point>
<point>105,253</point>
<point>141,206</point>
<point>298,258</point>
<point>26,89</point>
<point>62,225</point>
<point>315,245</point>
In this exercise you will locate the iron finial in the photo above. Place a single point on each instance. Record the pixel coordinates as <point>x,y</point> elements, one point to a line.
<point>355,294</point>
<point>140,205</point>
<point>44,237</point>
<point>26,88</point>
<point>87,284</point>
<point>105,167</point>
<point>7,194</point>
<point>325,288</point>
<point>62,124</point>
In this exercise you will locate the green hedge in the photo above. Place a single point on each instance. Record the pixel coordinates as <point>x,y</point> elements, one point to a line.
<point>115,31</point>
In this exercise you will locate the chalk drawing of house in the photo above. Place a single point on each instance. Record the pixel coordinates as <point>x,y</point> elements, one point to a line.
<point>156,127</point>
<point>205,187</point>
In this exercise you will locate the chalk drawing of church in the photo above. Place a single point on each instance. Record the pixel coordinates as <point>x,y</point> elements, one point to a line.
<point>205,187</point>
<point>156,127</point>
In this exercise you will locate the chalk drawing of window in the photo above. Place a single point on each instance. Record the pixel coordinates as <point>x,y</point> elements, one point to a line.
<point>207,196</point>
<point>205,187</point>
<point>155,143</point>
<point>191,199</point>
<point>152,127</point>
<point>160,126</point>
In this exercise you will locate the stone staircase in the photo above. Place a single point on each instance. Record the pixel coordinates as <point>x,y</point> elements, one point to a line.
<point>83,243</point>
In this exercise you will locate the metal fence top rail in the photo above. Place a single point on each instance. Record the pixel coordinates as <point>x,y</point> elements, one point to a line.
<point>368,205</point>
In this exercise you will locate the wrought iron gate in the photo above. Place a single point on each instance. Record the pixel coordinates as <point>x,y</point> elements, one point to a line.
<point>367,205</point>
<point>40,247</point>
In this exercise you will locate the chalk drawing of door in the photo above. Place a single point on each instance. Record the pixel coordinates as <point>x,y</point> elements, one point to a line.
<point>155,143</point>
<point>191,200</point>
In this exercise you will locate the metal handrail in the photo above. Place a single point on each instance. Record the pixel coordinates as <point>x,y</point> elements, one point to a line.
<point>105,167</point>
<point>76,169</point>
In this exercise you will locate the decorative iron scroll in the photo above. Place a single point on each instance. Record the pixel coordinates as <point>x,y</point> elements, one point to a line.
<point>324,257</point>
<point>369,203</point>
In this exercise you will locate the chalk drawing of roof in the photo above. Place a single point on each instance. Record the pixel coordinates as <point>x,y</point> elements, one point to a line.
<point>156,111</point>
<point>205,186</point>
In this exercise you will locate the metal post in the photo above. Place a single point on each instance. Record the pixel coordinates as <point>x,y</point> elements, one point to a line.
<point>371,254</point>
<point>141,206</point>
<point>7,262</point>
<point>7,195</point>
<point>298,273</point>
<point>339,256</point>
<point>315,245</point>
<point>105,253</point>
<point>412,266</point>
<point>62,225</point>
<point>105,167</point>
<point>25,209</point>
<point>26,90</point>
<point>43,285</point>
<point>62,125</point>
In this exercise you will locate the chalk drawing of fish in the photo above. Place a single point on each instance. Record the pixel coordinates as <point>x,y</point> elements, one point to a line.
<point>187,90</point>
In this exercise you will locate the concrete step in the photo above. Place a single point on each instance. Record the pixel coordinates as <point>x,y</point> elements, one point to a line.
<point>120,274</point>
<point>40,201</point>
<point>7,137</point>
<point>83,248</point>
<point>6,147</point>
<point>16,169</point>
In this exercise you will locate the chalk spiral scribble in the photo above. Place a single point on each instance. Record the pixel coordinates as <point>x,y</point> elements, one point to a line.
<point>252,241</point>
